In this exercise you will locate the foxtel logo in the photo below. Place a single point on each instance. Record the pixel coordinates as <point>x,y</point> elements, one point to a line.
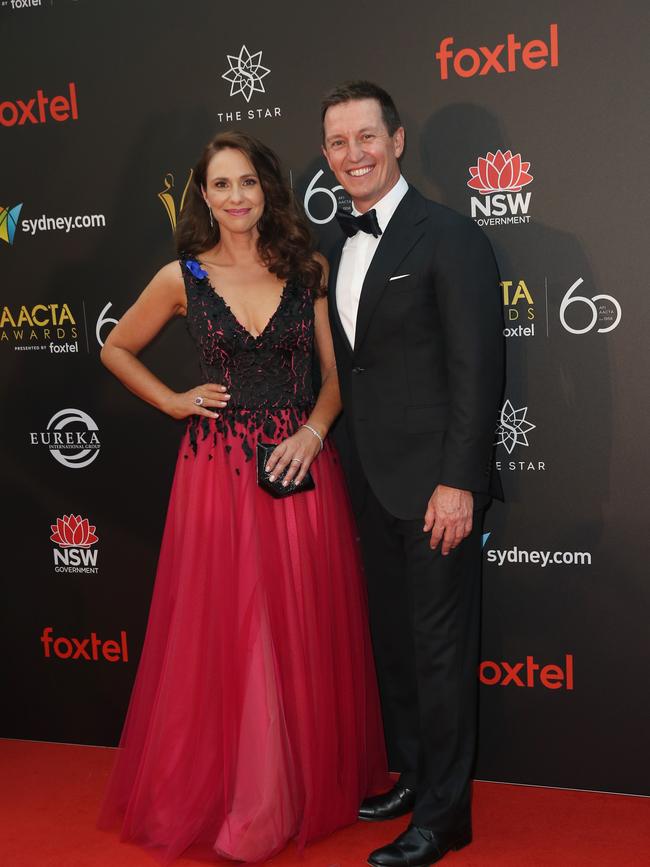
<point>528,674</point>
<point>40,108</point>
<point>467,62</point>
<point>91,649</point>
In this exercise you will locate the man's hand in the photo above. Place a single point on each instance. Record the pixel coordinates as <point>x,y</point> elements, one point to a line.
<point>449,517</point>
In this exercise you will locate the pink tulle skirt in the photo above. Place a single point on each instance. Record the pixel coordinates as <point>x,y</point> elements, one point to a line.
<point>254,719</point>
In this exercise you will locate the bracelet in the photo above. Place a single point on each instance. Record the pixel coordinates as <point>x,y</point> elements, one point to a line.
<point>316,434</point>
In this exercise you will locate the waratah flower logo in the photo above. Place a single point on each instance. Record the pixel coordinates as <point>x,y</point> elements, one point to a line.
<point>73,531</point>
<point>499,173</point>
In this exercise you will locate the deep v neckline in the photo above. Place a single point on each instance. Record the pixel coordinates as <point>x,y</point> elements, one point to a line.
<point>235,320</point>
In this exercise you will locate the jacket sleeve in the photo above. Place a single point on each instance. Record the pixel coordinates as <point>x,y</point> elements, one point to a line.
<point>466,280</point>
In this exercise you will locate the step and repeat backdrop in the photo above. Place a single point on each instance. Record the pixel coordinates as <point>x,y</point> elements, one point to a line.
<point>527,117</point>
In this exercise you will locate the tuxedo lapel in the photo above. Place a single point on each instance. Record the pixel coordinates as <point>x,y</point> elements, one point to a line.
<point>403,231</point>
<point>335,261</point>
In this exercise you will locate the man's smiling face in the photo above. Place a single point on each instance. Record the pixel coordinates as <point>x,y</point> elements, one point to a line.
<point>360,150</point>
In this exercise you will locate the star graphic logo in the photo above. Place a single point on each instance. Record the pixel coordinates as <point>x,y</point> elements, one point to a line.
<point>513,427</point>
<point>246,73</point>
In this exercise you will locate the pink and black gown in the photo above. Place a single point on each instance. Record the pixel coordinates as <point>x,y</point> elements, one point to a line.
<point>255,717</point>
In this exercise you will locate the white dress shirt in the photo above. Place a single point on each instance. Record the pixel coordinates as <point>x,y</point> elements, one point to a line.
<point>356,258</point>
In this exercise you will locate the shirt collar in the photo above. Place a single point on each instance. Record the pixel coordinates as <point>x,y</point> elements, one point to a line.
<point>386,207</point>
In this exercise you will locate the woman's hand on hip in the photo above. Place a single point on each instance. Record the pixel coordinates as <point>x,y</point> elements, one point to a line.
<point>197,401</point>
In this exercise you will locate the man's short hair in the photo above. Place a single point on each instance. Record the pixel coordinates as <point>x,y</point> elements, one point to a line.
<point>351,90</point>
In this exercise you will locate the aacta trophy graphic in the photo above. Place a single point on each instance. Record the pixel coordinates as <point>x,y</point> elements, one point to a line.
<point>166,196</point>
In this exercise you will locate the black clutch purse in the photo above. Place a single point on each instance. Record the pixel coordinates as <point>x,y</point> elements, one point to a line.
<point>275,487</point>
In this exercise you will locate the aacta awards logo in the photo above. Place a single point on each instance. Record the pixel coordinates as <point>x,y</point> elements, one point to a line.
<point>50,327</point>
<point>91,649</point>
<point>512,431</point>
<point>168,198</point>
<point>600,313</point>
<point>75,537</point>
<point>528,674</point>
<point>246,75</point>
<point>40,108</point>
<point>322,202</point>
<point>72,438</point>
<point>504,57</point>
<point>518,308</point>
<point>499,177</point>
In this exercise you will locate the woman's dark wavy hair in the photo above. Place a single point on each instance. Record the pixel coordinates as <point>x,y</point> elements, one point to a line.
<point>285,242</point>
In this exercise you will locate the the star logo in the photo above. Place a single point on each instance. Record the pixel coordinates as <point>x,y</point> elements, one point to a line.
<point>513,427</point>
<point>246,73</point>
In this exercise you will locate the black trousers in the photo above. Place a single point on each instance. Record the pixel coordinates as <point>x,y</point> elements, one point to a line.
<point>424,618</point>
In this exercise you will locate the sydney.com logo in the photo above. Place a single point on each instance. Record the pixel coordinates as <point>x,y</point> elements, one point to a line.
<point>9,223</point>
<point>519,556</point>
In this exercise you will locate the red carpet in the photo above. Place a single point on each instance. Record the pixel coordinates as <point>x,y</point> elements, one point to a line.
<point>51,793</point>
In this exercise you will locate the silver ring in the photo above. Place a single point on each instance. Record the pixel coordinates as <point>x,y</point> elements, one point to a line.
<point>295,461</point>
<point>198,400</point>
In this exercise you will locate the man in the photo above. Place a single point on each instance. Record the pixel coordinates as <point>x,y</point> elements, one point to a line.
<point>417,327</point>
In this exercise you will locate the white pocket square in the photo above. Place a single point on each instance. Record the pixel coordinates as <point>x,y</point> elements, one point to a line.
<point>399,277</point>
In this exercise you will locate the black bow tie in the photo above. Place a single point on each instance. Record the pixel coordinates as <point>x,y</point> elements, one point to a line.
<point>363,223</point>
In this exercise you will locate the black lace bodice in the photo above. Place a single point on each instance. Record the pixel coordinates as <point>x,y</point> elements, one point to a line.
<point>263,374</point>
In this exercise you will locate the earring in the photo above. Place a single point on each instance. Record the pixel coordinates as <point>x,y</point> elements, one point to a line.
<point>211,217</point>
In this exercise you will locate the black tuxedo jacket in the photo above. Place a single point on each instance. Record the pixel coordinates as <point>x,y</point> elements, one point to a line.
<point>423,385</point>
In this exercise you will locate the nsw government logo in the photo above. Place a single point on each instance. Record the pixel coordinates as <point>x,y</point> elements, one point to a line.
<point>245,75</point>
<point>499,179</point>
<point>72,438</point>
<point>74,537</point>
<point>512,431</point>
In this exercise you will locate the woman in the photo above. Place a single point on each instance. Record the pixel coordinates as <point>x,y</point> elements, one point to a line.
<point>254,718</point>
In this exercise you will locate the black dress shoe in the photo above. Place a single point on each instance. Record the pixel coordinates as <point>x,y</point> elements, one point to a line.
<point>419,847</point>
<point>399,801</point>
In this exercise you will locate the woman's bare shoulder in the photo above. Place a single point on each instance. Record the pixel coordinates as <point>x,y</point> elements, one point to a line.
<point>167,285</point>
<point>170,273</point>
